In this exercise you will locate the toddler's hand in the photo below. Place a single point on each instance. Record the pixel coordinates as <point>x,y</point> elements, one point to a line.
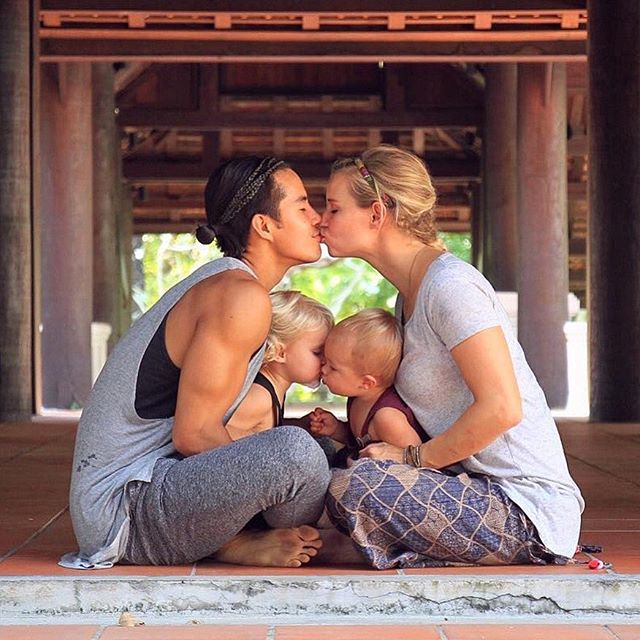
<point>322,423</point>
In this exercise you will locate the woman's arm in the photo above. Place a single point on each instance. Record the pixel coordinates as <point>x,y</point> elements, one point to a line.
<point>231,323</point>
<point>486,366</point>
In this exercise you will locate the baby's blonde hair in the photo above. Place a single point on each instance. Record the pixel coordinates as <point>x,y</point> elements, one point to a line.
<point>404,179</point>
<point>375,339</point>
<point>293,315</point>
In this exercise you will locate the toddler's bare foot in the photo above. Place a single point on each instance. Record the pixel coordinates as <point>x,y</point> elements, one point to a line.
<point>272,548</point>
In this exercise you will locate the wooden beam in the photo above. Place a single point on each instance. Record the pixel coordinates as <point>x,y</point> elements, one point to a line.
<point>220,121</point>
<point>165,171</point>
<point>310,6</point>
<point>311,37</point>
<point>130,72</point>
<point>533,49</point>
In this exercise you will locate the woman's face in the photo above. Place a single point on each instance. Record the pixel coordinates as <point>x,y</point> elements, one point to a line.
<point>344,223</point>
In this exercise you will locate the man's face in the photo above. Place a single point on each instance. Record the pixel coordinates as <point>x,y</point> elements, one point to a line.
<point>297,235</point>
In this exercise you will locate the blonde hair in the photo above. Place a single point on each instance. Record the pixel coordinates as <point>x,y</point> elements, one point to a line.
<point>376,343</point>
<point>293,315</point>
<point>404,179</point>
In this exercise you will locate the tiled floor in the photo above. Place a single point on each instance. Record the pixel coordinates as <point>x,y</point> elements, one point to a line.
<point>35,529</point>
<point>325,632</point>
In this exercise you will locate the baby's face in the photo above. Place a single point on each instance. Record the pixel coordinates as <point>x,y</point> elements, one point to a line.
<point>337,371</point>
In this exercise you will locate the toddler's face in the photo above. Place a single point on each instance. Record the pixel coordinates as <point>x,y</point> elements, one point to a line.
<point>304,357</point>
<point>337,371</point>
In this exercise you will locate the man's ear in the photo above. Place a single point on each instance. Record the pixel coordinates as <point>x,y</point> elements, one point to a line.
<point>262,225</point>
<point>368,382</point>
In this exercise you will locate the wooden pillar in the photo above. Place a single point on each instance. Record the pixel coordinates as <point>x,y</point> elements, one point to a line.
<point>16,322</point>
<point>614,215</point>
<point>543,283</point>
<point>477,220</point>
<point>125,257</point>
<point>500,177</point>
<point>106,198</point>
<point>67,237</point>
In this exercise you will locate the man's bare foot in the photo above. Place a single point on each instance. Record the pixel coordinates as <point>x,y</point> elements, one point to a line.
<point>272,548</point>
<point>338,548</point>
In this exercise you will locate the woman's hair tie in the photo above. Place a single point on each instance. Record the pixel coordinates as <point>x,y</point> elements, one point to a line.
<point>364,172</point>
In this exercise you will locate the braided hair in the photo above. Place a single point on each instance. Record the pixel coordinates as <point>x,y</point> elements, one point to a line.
<point>235,192</point>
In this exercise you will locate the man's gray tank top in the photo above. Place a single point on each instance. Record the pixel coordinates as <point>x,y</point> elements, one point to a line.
<point>114,445</point>
<point>454,302</point>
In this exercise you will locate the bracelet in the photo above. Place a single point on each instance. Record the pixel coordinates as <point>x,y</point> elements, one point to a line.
<point>411,455</point>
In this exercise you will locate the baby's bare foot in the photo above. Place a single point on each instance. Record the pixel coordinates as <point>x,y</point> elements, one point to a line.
<point>272,548</point>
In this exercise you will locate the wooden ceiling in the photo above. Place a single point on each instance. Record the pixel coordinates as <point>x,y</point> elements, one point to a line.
<point>313,31</point>
<point>208,80</point>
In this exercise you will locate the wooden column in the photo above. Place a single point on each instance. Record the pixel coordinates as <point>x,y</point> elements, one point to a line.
<point>477,226</point>
<point>614,215</point>
<point>106,198</point>
<point>67,237</point>
<point>125,257</point>
<point>500,177</point>
<point>543,283</point>
<point>16,336</point>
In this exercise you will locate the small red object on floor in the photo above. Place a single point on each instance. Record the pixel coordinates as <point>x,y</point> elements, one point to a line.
<point>596,564</point>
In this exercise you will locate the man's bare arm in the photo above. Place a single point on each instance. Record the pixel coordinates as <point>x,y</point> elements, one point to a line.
<point>230,327</point>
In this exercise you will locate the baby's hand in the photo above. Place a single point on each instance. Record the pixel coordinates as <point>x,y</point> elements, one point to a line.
<point>322,423</point>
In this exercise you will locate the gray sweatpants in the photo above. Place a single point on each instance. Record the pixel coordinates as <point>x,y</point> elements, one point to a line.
<point>193,506</point>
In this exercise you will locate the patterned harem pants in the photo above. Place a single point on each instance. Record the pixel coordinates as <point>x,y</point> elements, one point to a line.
<point>402,517</point>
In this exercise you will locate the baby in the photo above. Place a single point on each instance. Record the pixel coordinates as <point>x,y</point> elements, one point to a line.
<point>361,356</point>
<point>299,328</point>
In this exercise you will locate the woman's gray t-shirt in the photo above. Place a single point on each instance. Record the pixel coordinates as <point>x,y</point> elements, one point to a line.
<point>115,445</point>
<point>455,302</point>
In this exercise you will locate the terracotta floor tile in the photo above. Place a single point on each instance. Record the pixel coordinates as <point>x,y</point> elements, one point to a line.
<point>353,632</point>
<point>40,558</point>
<point>526,632</point>
<point>187,632</point>
<point>47,632</point>
<point>613,448</point>
<point>521,569</point>
<point>625,632</point>
<point>590,525</point>
<point>47,565</point>
<point>621,548</point>
<point>210,568</point>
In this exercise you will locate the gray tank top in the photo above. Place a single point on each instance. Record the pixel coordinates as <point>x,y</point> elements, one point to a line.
<point>114,445</point>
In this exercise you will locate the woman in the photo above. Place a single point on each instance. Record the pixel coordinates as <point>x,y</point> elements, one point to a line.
<point>491,485</point>
<point>156,477</point>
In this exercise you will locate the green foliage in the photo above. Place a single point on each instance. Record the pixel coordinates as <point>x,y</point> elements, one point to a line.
<point>163,260</point>
<point>458,243</point>
<point>345,285</point>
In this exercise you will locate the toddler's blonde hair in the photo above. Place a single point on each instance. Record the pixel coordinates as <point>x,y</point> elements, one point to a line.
<point>403,177</point>
<point>293,315</point>
<point>375,339</point>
